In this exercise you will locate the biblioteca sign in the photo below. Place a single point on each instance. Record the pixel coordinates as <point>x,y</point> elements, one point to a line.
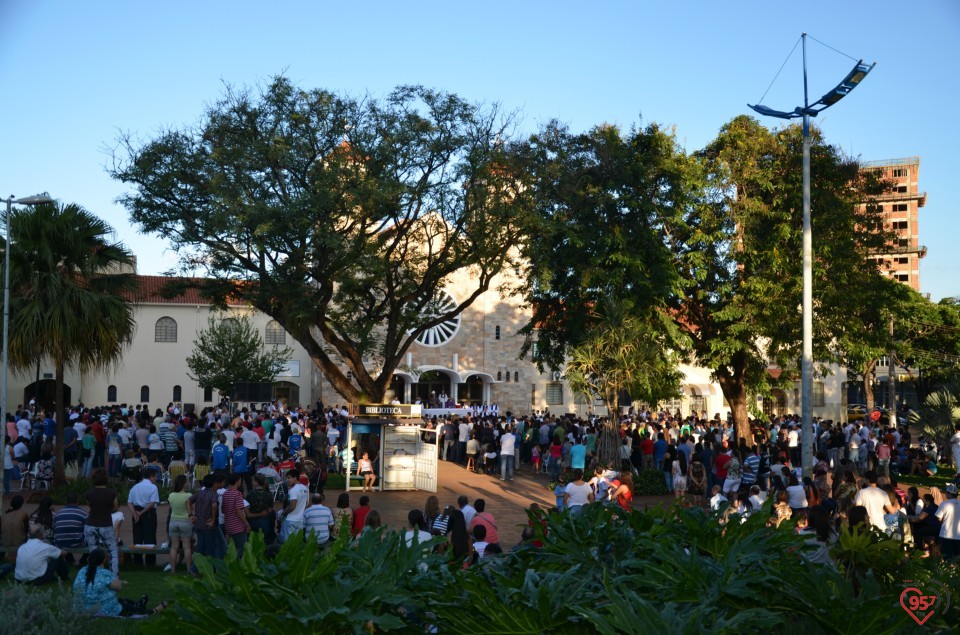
<point>387,410</point>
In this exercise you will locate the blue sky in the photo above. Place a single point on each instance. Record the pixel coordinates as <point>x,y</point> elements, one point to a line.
<point>75,74</point>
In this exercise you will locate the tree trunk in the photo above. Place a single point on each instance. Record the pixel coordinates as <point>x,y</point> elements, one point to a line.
<point>868,383</point>
<point>59,477</point>
<point>608,445</point>
<point>735,392</point>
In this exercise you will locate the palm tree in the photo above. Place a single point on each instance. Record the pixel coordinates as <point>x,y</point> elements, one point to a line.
<point>70,290</point>
<point>620,354</point>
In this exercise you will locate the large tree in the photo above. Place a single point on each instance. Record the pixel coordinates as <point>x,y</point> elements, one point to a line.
<point>230,351</point>
<point>603,200</point>
<point>738,251</point>
<point>341,218</point>
<point>70,291</point>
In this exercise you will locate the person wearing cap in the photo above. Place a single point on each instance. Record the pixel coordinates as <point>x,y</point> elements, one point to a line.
<point>949,516</point>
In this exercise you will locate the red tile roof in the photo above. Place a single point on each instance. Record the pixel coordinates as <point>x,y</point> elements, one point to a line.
<point>153,289</point>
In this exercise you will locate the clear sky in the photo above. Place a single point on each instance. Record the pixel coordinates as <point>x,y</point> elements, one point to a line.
<point>75,74</point>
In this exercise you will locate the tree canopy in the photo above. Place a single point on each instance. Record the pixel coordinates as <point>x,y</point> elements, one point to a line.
<point>738,251</point>
<point>339,217</point>
<point>706,246</point>
<point>603,201</point>
<point>230,351</point>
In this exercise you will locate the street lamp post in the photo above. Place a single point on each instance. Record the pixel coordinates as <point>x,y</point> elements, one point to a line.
<point>29,200</point>
<point>853,78</point>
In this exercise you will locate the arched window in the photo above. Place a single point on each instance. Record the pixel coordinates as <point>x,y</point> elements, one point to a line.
<point>516,376</point>
<point>499,373</point>
<point>177,393</point>
<point>111,394</point>
<point>508,375</point>
<point>496,333</point>
<point>165,330</point>
<point>274,334</point>
<point>144,394</point>
<point>208,394</point>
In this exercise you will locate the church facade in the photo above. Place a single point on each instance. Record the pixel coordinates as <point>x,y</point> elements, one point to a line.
<point>471,360</point>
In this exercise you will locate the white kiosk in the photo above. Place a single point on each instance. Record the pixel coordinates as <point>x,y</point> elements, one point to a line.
<point>403,453</point>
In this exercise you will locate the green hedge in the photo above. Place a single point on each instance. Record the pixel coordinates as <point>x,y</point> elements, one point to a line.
<point>650,483</point>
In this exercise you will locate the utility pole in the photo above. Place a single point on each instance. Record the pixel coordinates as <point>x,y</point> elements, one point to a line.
<point>891,377</point>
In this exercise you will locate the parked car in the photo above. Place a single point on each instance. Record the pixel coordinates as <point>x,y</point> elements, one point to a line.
<point>858,412</point>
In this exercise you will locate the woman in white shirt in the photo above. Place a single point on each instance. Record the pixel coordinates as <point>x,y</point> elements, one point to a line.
<point>416,531</point>
<point>365,469</point>
<point>577,493</point>
<point>796,496</point>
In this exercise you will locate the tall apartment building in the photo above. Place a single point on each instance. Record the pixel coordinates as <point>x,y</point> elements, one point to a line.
<point>901,211</point>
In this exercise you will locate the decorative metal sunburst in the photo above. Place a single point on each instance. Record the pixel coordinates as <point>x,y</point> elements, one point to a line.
<point>441,333</point>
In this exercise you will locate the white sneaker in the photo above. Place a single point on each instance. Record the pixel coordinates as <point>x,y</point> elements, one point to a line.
<point>168,568</point>
<point>165,545</point>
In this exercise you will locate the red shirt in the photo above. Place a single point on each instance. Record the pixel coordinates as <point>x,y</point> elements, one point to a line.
<point>97,429</point>
<point>646,446</point>
<point>485,519</point>
<point>721,465</point>
<point>232,508</point>
<point>360,517</point>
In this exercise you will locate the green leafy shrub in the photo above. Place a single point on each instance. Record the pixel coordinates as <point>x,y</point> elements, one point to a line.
<point>604,571</point>
<point>26,610</point>
<point>650,483</point>
<point>374,584</point>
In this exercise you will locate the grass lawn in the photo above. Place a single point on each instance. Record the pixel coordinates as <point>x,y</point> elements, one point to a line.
<point>154,583</point>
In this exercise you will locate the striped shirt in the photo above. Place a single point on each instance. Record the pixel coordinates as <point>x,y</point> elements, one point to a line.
<point>233,512</point>
<point>68,527</point>
<point>751,466</point>
<point>317,520</point>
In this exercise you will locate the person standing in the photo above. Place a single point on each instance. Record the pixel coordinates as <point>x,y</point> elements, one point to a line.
<point>507,454</point>
<point>955,449</point>
<point>142,502</point>
<point>180,528</point>
<point>949,516</point>
<point>98,528</point>
<point>873,499</point>
<point>298,495</point>
<point>463,430</point>
<point>203,509</point>
<point>235,523</point>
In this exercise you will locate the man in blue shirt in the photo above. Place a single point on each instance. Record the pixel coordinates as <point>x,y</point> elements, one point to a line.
<point>49,428</point>
<point>241,465</point>
<point>659,451</point>
<point>221,455</point>
<point>295,441</point>
<point>578,455</point>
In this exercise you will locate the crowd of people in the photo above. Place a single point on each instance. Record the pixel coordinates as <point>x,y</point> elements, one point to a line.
<point>225,483</point>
